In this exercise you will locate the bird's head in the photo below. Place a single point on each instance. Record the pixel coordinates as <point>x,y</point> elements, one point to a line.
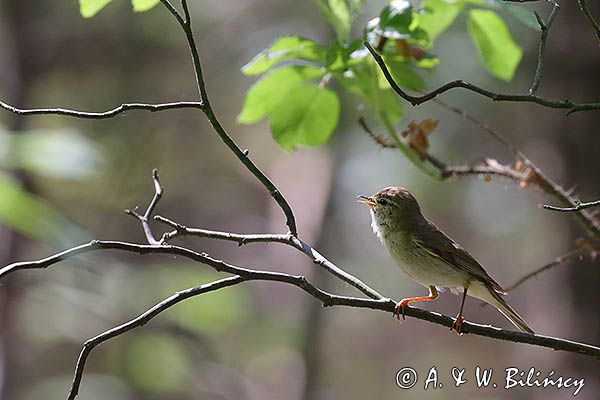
<point>391,206</point>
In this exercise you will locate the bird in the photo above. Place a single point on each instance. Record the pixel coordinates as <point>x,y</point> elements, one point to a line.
<point>430,257</point>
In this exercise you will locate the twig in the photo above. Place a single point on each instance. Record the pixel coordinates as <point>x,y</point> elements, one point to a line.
<point>570,256</point>
<point>186,25</point>
<point>579,206</point>
<point>545,28</point>
<point>102,115</point>
<point>590,18</point>
<point>526,98</point>
<point>537,176</point>
<point>486,168</point>
<point>142,319</point>
<point>286,239</point>
<point>145,219</point>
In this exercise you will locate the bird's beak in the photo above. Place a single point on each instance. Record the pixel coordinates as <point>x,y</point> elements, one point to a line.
<point>368,200</point>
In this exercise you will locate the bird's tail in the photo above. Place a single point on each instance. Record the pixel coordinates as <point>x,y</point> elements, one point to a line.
<point>497,301</point>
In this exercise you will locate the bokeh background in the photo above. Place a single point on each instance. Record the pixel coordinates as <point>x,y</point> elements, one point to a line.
<point>266,340</point>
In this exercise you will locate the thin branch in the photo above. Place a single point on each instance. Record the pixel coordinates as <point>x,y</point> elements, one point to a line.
<point>565,258</point>
<point>583,4</point>
<point>579,206</point>
<point>486,168</point>
<point>287,239</point>
<point>241,155</point>
<point>102,115</point>
<point>141,320</point>
<point>328,299</point>
<point>535,176</point>
<point>545,28</point>
<point>145,219</point>
<point>526,98</point>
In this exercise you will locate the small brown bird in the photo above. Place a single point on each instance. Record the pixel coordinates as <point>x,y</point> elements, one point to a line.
<point>430,257</point>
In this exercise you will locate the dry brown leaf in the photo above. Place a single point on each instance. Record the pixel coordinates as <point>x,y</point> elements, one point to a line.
<point>408,50</point>
<point>417,135</point>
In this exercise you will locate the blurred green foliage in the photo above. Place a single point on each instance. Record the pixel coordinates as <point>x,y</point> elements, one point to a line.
<point>90,8</point>
<point>401,33</point>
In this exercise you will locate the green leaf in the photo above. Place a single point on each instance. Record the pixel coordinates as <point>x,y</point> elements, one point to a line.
<point>285,48</point>
<point>308,118</point>
<point>501,55</point>
<point>272,88</point>
<point>340,56</point>
<point>438,15</point>
<point>89,8</point>
<point>402,73</point>
<point>355,7</point>
<point>394,21</point>
<point>379,97</point>
<point>391,105</point>
<point>337,14</point>
<point>143,5</point>
<point>34,217</point>
<point>521,14</point>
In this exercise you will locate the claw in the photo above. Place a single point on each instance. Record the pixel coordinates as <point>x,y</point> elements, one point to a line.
<point>400,309</point>
<point>457,324</point>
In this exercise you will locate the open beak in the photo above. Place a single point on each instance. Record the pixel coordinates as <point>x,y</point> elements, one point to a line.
<point>368,200</point>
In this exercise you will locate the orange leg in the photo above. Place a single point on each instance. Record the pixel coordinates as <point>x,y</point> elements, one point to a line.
<point>401,306</point>
<point>457,324</point>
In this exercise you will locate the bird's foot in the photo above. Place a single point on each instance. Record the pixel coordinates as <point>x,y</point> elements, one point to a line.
<point>457,324</point>
<point>400,308</point>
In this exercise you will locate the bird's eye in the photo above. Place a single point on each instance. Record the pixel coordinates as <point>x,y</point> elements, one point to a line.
<point>382,202</point>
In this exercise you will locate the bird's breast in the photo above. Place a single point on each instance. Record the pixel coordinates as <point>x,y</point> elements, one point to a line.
<point>418,263</point>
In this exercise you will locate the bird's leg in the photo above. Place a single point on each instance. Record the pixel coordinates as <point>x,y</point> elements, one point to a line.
<point>457,324</point>
<point>401,306</point>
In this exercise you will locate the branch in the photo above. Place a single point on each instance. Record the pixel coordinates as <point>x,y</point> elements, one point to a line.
<point>186,25</point>
<point>545,28</point>
<point>579,206</point>
<point>141,320</point>
<point>287,239</point>
<point>102,115</point>
<point>590,18</point>
<point>486,168</point>
<point>526,98</point>
<point>203,105</point>
<point>326,298</point>
<point>535,175</point>
<point>145,219</point>
<point>565,258</point>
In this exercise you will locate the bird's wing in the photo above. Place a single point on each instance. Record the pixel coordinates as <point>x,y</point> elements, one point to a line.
<point>438,244</point>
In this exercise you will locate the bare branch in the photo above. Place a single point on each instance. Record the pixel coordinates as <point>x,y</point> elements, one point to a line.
<point>145,219</point>
<point>142,319</point>
<point>102,115</point>
<point>526,98</point>
<point>579,206</point>
<point>287,239</point>
<point>241,155</point>
<point>590,18</point>
<point>485,168</point>
<point>535,175</point>
<point>545,28</point>
<point>565,258</point>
